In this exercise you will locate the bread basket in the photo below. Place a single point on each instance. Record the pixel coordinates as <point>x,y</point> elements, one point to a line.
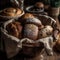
<point>5,18</point>
<point>28,47</point>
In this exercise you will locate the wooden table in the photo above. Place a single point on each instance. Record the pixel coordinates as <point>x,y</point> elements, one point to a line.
<point>56,56</point>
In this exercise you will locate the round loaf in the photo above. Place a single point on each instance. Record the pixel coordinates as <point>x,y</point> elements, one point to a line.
<point>31,31</point>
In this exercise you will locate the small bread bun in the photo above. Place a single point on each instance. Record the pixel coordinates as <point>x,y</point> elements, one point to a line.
<point>31,31</point>
<point>14,29</point>
<point>39,5</point>
<point>34,21</point>
<point>28,15</point>
<point>46,31</point>
<point>11,12</point>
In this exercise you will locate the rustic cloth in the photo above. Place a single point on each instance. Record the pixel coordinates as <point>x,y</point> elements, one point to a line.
<point>13,45</point>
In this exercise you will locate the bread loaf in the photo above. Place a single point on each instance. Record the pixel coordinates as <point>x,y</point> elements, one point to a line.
<point>31,31</point>
<point>14,29</point>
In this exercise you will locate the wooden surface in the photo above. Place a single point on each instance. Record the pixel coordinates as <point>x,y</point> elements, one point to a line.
<point>45,57</point>
<point>56,56</point>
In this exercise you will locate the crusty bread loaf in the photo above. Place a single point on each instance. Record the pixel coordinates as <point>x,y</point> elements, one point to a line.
<point>14,29</point>
<point>46,31</point>
<point>27,15</point>
<point>19,28</point>
<point>31,31</point>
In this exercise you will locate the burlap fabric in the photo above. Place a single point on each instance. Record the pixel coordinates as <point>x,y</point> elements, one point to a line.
<point>13,45</point>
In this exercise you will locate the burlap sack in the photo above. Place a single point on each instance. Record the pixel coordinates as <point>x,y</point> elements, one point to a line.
<point>13,45</point>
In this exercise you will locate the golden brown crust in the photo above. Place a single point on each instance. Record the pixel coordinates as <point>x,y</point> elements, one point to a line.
<point>18,25</point>
<point>14,29</point>
<point>28,15</point>
<point>11,28</point>
<point>18,11</point>
<point>19,28</point>
<point>11,12</point>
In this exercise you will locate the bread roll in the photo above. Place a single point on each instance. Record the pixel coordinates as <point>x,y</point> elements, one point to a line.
<point>46,31</point>
<point>28,15</point>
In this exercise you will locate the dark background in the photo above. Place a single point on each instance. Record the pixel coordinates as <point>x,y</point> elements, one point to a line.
<point>31,2</point>
<point>7,3</point>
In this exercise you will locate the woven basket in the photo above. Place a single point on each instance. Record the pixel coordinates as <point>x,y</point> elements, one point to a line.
<point>6,18</point>
<point>29,47</point>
